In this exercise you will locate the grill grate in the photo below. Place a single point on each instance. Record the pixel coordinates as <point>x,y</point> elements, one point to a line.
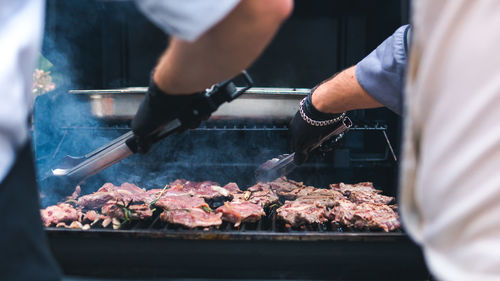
<point>268,225</point>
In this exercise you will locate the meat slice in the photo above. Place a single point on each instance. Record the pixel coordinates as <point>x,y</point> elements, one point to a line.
<point>263,198</point>
<point>207,189</point>
<point>358,196</point>
<point>238,212</point>
<point>232,187</point>
<point>188,211</point>
<point>361,186</point>
<point>300,212</point>
<point>297,192</point>
<point>132,188</point>
<point>310,191</point>
<point>56,214</point>
<point>180,202</point>
<point>343,212</point>
<point>362,192</point>
<point>126,193</point>
<point>74,225</point>
<point>98,199</point>
<point>131,212</point>
<point>192,217</point>
<point>365,215</point>
<point>319,200</point>
<point>91,216</point>
<point>375,216</point>
<point>283,185</point>
<point>153,195</point>
<point>311,206</point>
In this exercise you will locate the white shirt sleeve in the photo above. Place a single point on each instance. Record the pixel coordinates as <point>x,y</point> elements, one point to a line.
<point>186,19</point>
<point>20,40</point>
<point>450,193</point>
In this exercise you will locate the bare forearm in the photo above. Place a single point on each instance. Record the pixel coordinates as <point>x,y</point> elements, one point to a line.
<point>225,50</point>
<point>342,93</point>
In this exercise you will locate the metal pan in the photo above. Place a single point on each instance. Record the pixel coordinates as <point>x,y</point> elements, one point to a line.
<point>256,103</point>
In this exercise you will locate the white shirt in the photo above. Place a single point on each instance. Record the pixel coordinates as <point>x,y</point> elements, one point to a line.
<point>21,28</point>
<point>450,182</point>
<point>186,19</point>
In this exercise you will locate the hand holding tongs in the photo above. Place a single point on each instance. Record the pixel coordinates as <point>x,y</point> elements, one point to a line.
<point>72,171</point>
<point>284,164</point>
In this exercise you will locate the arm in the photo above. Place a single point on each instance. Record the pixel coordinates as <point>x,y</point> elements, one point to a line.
<point>210,42</point>
<point>375,81</point>
<point>224,50</point>
<point>342,93</point>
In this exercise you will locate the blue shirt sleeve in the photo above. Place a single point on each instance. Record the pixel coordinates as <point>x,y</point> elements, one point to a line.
<point>382,72</point>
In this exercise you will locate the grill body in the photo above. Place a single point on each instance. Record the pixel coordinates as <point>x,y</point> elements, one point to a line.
<point>117,47</point>
<point>243,254</point>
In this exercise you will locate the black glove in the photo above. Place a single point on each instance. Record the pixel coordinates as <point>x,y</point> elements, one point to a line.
<point>309,127</point>
<point>159,108</point>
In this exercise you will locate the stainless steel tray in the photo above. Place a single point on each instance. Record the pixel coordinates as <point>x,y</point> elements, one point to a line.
<point>256,103</point>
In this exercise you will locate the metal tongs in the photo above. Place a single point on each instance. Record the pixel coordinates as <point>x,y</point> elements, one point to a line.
<point>72,171</point>
<point>283,164</point>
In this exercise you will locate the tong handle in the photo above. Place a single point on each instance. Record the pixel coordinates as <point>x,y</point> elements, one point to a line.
<point>202,107</point>
<point>275,168</point>
<point>345,125</point>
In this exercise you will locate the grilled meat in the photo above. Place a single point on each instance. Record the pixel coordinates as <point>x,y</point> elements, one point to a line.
<point>126,193</point>
<point>297,213</point>
<point>132,212</point>
<point>297,192</point>
<point>192,217</point>
<point>154,195</point>
<point>98,199</point>
<point>358,196</point>
<point>232,187</point>
<point>207,189</point>
<point>184,203</point>
<point>362,192</point>
<point>310,191</point>
<point>132,188</point>
<point>74,225</point>
<point>283,185</point>
<point>180,202</point>
<point>91,216</point>
<point>375,216</point>
<point>188,211</point>
<point>238,212</point>
<point>260,194</point>
<point>262,198</point>
<point>365,215</point>
<point>361,186</point>
<point>343,212</point>
<point>60,213</point>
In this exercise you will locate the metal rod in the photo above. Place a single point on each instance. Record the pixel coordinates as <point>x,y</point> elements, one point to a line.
<point>390,146</point>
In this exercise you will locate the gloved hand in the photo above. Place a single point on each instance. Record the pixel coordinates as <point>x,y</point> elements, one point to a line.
<point>309,127</point>
<point>159,108</point>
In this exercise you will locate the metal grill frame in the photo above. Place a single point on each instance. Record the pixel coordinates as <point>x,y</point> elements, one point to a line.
<point>237,254</point>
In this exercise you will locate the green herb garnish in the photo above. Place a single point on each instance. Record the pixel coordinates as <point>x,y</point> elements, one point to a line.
<point>159,196</point>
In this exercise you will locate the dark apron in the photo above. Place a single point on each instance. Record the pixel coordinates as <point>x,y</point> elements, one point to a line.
<point>24,250</point>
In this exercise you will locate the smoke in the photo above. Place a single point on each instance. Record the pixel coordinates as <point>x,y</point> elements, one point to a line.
<point>64,124</point>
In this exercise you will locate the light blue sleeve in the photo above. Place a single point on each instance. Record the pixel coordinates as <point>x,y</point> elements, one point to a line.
<point>382,72</point>
<point>186,19</point>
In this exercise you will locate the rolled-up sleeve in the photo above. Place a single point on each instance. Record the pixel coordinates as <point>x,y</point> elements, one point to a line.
<point>186,19</point>
<point>382,72</point>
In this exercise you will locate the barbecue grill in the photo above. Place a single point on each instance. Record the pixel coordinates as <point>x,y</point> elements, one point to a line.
<point>77,118</point>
